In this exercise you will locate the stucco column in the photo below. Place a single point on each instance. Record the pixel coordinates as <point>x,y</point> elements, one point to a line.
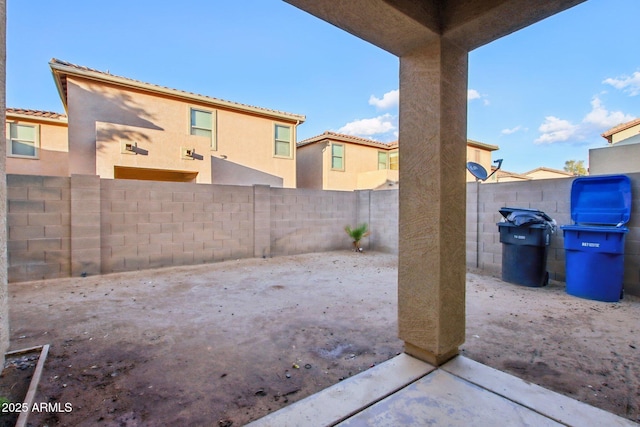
<point>4,293</point>
<point>431,265</point>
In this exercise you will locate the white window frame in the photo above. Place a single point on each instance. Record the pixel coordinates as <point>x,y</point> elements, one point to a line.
<point>290,142</point>
<point>214,125</point>
<point>36,142</point>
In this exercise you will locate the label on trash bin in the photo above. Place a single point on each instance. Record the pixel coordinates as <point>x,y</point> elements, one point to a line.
<point>591,244</point>
<point>519,237</point>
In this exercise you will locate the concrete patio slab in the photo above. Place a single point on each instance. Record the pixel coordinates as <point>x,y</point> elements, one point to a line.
<point>553,405</point>
<point>348,397</point>
<point>406,391</point>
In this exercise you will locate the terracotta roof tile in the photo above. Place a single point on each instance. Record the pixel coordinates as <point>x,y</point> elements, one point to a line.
<point>348,138</point>
<point>546,169</point>
<point>56,64</point>
<point>619,128</point>
<point>36,113</point>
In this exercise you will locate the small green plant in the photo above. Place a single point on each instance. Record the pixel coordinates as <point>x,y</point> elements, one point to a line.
<point>357,234</point>
<point>4,401</point>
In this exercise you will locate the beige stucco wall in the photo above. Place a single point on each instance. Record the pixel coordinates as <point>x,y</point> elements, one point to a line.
<point>545,174</point>
<point>374,179</point>
<point>53,153</point>
<point>309,168</point>
<point>108,114</point>
<point>614,159</point>
<point>627,133</point>
<point>154,150</point>
<point>357,159</point>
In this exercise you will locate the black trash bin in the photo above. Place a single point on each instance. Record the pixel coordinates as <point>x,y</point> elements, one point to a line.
<point>525,235</point>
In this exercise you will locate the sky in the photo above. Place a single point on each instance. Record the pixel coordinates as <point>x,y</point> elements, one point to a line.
<point>544,94</point>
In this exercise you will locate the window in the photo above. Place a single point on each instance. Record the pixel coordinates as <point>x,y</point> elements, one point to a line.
<point>23,140</point>
<point>203,124</point>
<point>283,141</point>
<point>383,160</point>
<point>393,161</point>
<point>337,156</point>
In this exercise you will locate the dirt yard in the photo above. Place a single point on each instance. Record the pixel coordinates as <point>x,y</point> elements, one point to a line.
<point>223,344</point>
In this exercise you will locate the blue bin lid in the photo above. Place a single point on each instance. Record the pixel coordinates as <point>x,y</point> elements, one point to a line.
<point>601,200</point>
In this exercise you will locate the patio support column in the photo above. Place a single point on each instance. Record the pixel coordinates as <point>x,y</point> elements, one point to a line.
<point>431,264</point>
<point>4,293</point>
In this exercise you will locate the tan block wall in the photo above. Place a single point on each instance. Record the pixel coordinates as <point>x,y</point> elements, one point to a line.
<point>310,220</point>
<point>383,221</point>
<point>39,227</point>
<point>151,224</point>
<point>145,224</point>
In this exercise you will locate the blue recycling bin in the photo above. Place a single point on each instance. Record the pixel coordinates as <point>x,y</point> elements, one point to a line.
<point>525,235</point>
<point>594,244</point>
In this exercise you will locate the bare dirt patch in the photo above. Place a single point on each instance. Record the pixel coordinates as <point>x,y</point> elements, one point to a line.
<point>227,343</point>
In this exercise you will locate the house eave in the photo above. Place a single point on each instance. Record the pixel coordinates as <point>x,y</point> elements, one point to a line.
<point>61,71</point>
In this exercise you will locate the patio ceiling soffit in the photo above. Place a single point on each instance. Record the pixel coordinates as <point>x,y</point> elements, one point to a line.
<point>400,26</point>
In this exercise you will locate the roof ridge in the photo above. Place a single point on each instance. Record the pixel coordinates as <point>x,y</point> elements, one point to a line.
<point>352,138</point>
<point>186,93</point>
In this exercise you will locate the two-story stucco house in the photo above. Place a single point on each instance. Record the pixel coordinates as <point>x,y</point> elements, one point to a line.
<point>123,128</point>
<point>334,161</point>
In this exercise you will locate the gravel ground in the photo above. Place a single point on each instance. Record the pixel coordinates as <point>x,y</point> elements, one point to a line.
<point>227,343</point>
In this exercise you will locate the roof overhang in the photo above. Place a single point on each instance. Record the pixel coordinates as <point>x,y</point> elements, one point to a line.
<point>61,120</point>
<point>400,26</point>
<point>62,71</point>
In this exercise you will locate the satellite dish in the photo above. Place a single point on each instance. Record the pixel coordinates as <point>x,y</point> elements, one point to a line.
<point>477,170</point>
<point>480,172</point>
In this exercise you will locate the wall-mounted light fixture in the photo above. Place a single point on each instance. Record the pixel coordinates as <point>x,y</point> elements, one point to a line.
<point>188,153</point>
<point>129,147</point>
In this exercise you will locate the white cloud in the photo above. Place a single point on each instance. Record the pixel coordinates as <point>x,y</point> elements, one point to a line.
<point>389,100</point>
<point>473,94</point>
<point>512,130</point>
<point>368,127</point>
<point>603,118</point>
<point>554,130</point>
<point>628,84</point>
<point>594,122</point>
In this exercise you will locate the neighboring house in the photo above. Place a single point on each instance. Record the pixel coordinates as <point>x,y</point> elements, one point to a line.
<point>622,153</point>
<point>37,143</point>
<point>547,173</point>
<point>537,173</point>
<point>334,161</point>
<point>625,133</point>
<point>123,128</point>
<point>506,176</point>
